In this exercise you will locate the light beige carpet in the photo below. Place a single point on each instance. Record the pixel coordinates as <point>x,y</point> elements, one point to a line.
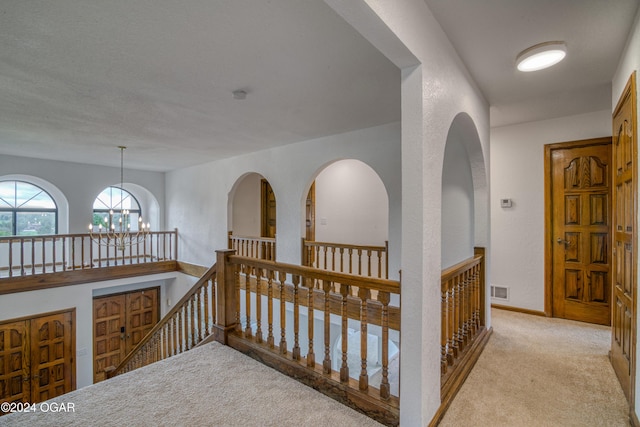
<point>209,386</point>
<point>537,371</point>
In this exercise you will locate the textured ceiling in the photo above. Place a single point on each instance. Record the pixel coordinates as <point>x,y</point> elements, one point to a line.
<point>79,78</point>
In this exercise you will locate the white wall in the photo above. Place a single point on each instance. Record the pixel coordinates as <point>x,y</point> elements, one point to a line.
<point>246,216</point>
<point>457,205</point>
<point>517,173</point>
<point>197,197</point>
<point>630,62</point>
<point>173,286</point>
<point>81,184</point>
<point>351,205</point>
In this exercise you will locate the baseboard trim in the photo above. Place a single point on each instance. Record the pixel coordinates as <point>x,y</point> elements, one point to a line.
<point>519,310</point>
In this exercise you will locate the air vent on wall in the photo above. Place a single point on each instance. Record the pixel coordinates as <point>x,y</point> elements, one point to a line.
<point>500,292</point>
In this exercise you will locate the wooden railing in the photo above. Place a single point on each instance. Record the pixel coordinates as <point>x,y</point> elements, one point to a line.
<point>189,323</point>
<point>371,261</point>
<point>253,247</point>
<point>28,255</point>
<point>464,331</point>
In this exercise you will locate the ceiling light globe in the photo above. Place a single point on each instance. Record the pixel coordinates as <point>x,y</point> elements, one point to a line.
<point>541,56</point>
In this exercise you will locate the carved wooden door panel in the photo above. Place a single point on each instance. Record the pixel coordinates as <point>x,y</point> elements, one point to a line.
<point>52,356</point>
<point>581,232</point>
<point>142,316</point>
<point>15,373</point>
<point>624,239</point>
<point>120,322</point>
<point>108,333</point>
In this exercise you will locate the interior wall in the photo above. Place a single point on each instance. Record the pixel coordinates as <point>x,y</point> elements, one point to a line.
<point>81,184</point>
<point>246,207</point>
<point>517,173</point>
<point>173,286</point>
<point>290,171</point>
<point>630,62</point>
<point>351,205</point>
<point>457,205</point>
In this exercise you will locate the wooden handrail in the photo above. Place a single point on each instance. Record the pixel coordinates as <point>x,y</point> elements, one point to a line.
<point>166,338</point>
<point>347,258</point>
<point>29,255</point>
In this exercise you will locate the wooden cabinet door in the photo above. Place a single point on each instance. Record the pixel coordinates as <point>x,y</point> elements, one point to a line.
<point>625,237</point>
<point>15,372</point>
<point>52,356</point>
<point>108,333</point>
<point>581,232</point>
<point>142,316</point>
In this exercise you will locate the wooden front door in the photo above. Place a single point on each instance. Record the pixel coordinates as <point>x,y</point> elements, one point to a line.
<point>580,210</point>
<point>625,238</point>
<point>37,357</point>
<point>268,210</point>
<point>120,322</point>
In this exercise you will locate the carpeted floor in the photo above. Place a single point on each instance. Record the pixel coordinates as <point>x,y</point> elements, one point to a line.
<point>537,371</point>
<point>212,385</point>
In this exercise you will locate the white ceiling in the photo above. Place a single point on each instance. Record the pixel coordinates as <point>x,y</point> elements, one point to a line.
<point>79,78</point>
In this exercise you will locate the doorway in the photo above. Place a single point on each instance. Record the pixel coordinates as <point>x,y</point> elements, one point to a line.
<point>120,322</point>
<point>578,230</point>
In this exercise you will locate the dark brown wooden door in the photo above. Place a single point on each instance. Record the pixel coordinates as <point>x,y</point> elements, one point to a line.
<point>268,210</point>
<point>581,225</point>
<point>142,316</point>
<point>37,358</point>
<point>310,214</point>
<point>15,360</point>
<point>52,355</point>
<point>108,333</point>
<point>120,322</point>
<point>624,239</point>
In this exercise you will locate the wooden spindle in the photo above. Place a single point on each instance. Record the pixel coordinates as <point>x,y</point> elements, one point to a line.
<point>344,368</point>
<point>283,314</point>
<point>369,262</point>
<point>452,348</point>
<point>311,357</point>
<point>205,291</point>
<point>180,328</point>
<point>326,363</point>
<point>44,257</point>
<point>259,277</point>
<point>443,331</point>
<point>247,302</point>
<point>384,298</point>
<point>295,352</point>
<point>270,338</point>
<point>364,295</point>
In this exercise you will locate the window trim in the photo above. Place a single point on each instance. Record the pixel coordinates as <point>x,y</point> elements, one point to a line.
<point>15,210</point>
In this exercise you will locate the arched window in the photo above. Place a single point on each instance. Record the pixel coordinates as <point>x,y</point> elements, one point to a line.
<point>26,210</point>
<point>108,207</point>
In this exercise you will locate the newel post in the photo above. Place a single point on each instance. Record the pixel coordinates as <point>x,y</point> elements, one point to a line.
<point>225,296</point>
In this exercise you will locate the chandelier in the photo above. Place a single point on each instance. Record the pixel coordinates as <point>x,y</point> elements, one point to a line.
<point>118,234</point>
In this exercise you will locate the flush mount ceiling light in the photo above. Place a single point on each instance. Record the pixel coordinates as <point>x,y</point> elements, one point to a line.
<point>541,56</point>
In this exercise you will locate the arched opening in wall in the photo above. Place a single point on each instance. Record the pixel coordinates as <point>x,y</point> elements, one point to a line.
<point>464,192</point>
<point>348,208</point>
<point>252,217</point>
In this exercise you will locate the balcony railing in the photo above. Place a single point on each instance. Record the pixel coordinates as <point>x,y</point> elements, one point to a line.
<point>22,256</point>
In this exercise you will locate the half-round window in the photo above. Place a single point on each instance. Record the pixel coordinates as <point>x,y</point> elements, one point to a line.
<point>109,206</point>
<point>26,210</point>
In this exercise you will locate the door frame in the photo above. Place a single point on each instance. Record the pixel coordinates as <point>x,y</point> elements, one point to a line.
<point>548,222</point>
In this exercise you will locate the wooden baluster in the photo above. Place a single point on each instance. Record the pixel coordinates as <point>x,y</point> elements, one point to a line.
<point>311,357</point>
<point>170,339</point>
<point>316,258</point>
<point>10,258</point>
<point>192,303</point>
<point>199,324</point>
<point>164,246</point>
<point>82,262</point>
<point>479,301</point>
<point>259,276</point>
<point>326,363</point>
<point>144,249</point>
<point>295,352</point>
<point>466,293</point>
<point>384,298</point>
<point>205,290</point>
<point>53,250</point>
<point>181,323</point>
<point>459,313</point>
<point>270,339</point>
<point>443,330</point>
<point>247,303</point>
<point>333,258</point>
<point>452,348</point>
<point>157,247</point>
<point>324,265</point>
<point>359,262</point>
<point>472,302</point>
<point>33,256</point>
<point>237,291</point>
<point>364,295</point>
<point>341,260</point>
<point>379,253</point>
<point>350,261</point>
<point>282,276</point>
<point>44,257</point>
<point>369,262</point>
<point>344,369</point>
